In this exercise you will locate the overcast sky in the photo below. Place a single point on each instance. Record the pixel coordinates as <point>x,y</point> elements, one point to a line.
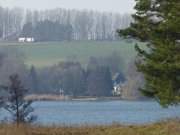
<point>121,6</point>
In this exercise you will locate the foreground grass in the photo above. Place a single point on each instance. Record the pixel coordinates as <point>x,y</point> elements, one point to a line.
<point>163,128</point>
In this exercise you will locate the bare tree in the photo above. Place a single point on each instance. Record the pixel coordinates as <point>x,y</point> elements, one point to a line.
<point>134,81</point>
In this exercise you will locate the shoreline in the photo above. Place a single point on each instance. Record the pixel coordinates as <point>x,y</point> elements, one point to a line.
<point>51,97</point>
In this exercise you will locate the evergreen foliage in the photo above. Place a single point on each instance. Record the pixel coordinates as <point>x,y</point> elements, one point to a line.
<point>157,22</point>
<point>33,80</point>
<point>99,80</point>
<point>16,105</point>
<point>47,31</point>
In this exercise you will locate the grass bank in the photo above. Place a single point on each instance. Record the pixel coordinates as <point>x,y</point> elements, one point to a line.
<point>162,128</point>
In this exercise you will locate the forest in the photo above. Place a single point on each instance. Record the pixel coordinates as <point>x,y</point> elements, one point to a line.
<point>70,76</point>
<point>60,24</point>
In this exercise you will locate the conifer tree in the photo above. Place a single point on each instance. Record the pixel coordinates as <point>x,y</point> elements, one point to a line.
<point>157,22</point>
<point>33,79</point>
<point>19,108</point>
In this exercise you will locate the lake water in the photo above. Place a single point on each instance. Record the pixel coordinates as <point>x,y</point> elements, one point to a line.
<point>101,112</point>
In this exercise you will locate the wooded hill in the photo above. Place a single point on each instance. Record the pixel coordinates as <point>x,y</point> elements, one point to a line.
<point>60,24</point>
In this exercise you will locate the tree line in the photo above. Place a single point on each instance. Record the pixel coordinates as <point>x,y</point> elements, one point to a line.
<point>61,24</point>
<point>69,76</point>
<point>48,31</point>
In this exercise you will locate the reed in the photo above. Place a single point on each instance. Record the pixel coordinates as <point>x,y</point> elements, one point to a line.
<point>161,128</point>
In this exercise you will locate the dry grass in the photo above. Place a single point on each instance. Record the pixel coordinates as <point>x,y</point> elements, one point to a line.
<point>46,97</point>
<point>163,128</point>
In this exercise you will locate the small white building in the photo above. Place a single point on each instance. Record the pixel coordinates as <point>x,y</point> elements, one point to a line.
<point>26,39</point>
<point>30,39</point>
<point>118,89</point>
<point>21,39</point>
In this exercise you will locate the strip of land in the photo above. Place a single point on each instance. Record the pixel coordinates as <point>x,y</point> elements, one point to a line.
<point>51,97</point>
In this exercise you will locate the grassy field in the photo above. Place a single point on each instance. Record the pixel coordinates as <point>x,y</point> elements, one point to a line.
<point>163,128</point>
<point>48,53</point>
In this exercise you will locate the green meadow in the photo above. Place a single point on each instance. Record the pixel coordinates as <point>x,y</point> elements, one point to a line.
<point>48,53</point>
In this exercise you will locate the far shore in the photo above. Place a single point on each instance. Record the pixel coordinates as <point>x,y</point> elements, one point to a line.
<point>51,97</point>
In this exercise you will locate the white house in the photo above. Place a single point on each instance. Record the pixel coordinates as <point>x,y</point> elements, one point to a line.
<point>117,91</point>
<point>22,39</point>
<point>30,39</point>
<point>26,39</point>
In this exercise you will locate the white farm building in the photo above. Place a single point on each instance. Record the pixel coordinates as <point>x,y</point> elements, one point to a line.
<point>26,39</point>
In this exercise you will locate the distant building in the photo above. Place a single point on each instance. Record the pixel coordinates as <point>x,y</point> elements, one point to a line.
<point>26,39</point>
<point>61,92</point>
<point>21,39</point>
<point>30,39</point>
<point>117,91</point>
<point>118,82</point>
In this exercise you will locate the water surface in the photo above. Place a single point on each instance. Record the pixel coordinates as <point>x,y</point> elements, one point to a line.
<point>101,112</point>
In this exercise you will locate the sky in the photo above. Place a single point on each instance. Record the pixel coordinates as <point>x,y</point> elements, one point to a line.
<point>120,6</point>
